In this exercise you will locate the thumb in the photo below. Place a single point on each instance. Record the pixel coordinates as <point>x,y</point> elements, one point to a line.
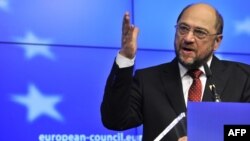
<point>135,33</point>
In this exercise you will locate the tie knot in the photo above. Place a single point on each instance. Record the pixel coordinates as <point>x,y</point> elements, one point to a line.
<point>195,73</point>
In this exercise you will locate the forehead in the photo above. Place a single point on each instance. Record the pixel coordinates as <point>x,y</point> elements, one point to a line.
<point>199,16</point>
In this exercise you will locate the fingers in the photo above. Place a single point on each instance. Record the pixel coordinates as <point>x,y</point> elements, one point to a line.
<point>129,37</point>
<point>126,24</point>
<point>129,32</point>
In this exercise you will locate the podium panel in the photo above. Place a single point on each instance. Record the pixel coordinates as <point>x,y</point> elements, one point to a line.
<point>206,120</point>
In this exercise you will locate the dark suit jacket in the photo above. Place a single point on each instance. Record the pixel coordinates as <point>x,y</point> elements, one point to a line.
<point>154,96</point>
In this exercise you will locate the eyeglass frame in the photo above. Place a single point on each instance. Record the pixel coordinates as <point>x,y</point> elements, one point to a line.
<point>196,31</point>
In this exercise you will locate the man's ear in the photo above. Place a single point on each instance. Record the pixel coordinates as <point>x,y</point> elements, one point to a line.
<point>218,41</point>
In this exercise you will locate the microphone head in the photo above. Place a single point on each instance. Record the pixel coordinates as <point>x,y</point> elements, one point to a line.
<point>207,70</point>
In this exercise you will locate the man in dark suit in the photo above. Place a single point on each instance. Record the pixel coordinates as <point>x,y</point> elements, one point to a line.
<point>155,96</point>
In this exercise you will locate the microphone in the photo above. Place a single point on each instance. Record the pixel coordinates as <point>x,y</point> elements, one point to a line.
<point>211,83</point>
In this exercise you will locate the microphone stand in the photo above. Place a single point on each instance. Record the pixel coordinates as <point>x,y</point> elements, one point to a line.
<point>210,81</point>
<point>216,95</point>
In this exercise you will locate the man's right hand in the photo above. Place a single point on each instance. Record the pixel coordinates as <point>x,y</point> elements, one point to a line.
<point>129,38</point>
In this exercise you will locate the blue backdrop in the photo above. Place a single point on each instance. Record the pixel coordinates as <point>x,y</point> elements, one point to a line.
<point>56,56</point>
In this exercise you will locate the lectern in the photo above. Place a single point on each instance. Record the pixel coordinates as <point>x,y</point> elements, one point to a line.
<point>218,121</point>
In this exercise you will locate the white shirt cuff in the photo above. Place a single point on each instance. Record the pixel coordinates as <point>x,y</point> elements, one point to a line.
<point>124,62</point>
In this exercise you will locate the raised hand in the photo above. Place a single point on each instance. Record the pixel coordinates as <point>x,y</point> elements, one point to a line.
<point>129,38</point>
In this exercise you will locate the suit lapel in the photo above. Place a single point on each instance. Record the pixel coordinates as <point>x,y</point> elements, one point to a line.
<point>208,95</point>
<point>173,86</point>
<point>220,78</point>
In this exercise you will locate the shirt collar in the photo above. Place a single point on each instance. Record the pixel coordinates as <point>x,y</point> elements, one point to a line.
<point>184,70</point>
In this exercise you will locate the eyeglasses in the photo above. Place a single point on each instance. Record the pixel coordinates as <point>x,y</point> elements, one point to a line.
<point>200,33</point>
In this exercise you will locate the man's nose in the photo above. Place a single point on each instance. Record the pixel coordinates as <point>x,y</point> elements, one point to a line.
<point>189,37</point>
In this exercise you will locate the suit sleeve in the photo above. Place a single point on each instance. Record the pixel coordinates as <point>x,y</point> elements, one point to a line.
<point>122,101</point>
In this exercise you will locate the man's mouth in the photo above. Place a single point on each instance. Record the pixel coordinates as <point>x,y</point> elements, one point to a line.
<point>187,50</point>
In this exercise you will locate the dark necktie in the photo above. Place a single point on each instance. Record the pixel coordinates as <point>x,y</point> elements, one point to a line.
<point>194,93</point>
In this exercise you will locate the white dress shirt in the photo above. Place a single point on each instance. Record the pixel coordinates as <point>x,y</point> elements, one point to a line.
<point>187,80</point>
